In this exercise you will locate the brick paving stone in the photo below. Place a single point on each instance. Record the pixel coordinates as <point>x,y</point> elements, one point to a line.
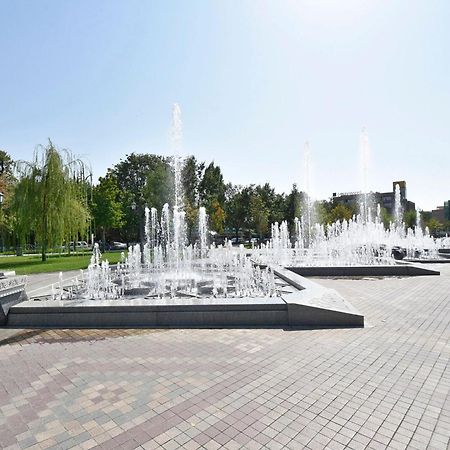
<point>384,386</point>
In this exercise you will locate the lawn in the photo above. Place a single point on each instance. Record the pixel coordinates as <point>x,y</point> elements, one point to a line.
<point>25,265</point>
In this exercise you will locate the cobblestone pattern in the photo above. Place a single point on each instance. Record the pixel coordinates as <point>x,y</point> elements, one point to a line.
<point>385,386</point>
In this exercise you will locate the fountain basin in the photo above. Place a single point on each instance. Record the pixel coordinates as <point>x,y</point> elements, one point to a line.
<point>304,304</point>
<point>400,269</point>
<point>12,292</point>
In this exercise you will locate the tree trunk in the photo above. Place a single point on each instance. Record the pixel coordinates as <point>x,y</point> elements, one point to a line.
<point>44,241</point>
<point>44,252</point>
<point>44,227</point>
<point>103,239</point>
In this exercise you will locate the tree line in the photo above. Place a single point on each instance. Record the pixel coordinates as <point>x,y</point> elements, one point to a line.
<point>51,201</point>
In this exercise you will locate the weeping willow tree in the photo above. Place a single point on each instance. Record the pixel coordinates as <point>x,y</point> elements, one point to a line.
<point>49,200</point>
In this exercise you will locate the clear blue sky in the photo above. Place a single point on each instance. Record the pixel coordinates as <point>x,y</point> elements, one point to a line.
<point>254,79</point>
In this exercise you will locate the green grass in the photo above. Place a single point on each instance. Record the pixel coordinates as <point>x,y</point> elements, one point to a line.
<point>25,265</point>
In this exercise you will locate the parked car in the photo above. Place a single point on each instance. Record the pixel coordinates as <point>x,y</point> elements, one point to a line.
<point>115,245</point>
<point>80,245</point>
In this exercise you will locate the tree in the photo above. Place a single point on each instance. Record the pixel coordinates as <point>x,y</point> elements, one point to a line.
<point>323,210</point>
<point>7,183</point>
<point>386,218</point>
<point>6,170</point>
<point>48,199</point>
<point>259,215</point>
<point>212,188</point>
<point>339,212</point>
<point>275,204</point>
<point>191,175</point>
<point>142,180</point>
<point>158,189</point>
<point>293,206</point>
<point>434,226</point>
<point>410,218</point>
<point>106,208</point>
<point>217,217</point>
<point>212,185</point>
<point>446,226</point>
<point>237,207</point>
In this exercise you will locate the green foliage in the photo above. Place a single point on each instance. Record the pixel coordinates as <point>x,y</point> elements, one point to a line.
<point>386,218</point>
<point>434,225</point>
<point>191,175</point>
<point>339,212</point>
<point>49,200</point>
<point>259,215</point>
<point>106,207</point>
<point>7,184</point>
<point>132,173</point>
<point>410,218</point>
<point>217,217</point>
<point>293,205</point>
<point>323,210</point>
<point>237,207</point>
<point>274,203</point>
<point>212,188</point>
<point>142,180</point>
<point>158,189</point>
<point>425,216</point>
<point>7,164</point>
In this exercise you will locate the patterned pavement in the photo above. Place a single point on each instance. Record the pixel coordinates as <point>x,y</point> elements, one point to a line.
<point>384,386</point>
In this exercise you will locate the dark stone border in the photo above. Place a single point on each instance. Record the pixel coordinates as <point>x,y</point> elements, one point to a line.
<point>363,271</point>
<point>311,306</point>
<point>443,260</point>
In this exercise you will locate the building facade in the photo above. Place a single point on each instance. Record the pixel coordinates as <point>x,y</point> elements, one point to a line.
<point>385,199</point>
<point>442,213</point>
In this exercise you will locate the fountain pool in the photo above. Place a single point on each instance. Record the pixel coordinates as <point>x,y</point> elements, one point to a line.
<point>169,282</point>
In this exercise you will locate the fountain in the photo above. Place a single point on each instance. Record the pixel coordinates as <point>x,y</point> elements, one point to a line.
<point>200,286</point>
<point>366,201</point>
<point>361,241</point>
<point>173,268</point>
<point>359,246</point>
<point>308,217</point>
<point>398,210</point>
<point>172,282</point>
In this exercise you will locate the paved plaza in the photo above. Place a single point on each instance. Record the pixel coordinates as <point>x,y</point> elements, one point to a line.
<point>384,386</point>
